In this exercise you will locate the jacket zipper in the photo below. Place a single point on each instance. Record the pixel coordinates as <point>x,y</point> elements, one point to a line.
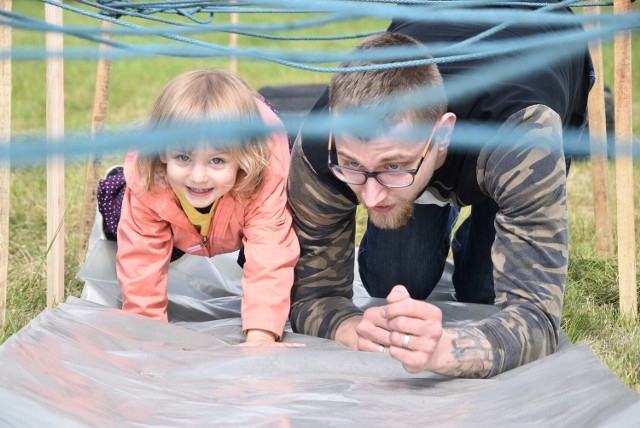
<point>198,247</point>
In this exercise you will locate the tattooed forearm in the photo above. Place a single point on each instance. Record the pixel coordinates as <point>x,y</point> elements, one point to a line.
<point>471,353</point>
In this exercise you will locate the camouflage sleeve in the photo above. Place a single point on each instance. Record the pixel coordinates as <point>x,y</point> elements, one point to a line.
<point>324,219</point>
<point>524,172</point>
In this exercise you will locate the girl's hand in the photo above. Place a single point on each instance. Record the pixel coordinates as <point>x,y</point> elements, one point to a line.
<point>257,337</point>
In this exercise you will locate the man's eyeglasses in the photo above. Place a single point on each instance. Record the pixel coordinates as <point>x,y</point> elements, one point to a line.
<point>391,179</point>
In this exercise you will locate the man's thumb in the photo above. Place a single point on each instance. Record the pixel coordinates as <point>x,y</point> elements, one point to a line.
<point>398,293</point>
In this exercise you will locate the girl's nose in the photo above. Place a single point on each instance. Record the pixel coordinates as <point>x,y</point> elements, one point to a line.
<point>198,173</point>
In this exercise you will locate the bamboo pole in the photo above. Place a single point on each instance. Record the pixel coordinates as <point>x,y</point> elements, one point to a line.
<point>598,148</point>
<point>94,160</point>
<point>55,164</point>
<point>233,43</point>
<point>5,177</point>
<point>624,167</point>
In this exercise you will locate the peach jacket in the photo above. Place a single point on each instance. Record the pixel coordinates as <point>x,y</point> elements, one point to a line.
<point>152,223</point>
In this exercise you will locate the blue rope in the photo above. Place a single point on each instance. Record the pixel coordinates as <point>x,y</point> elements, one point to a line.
<point>209,49</point>
<point>488,3</point>
<point>189,15</point>
<point>169,6</point>
<point>430,15</point>
<point>226,28</point>
<point>537,52</point>
<point>459,16</point>
<point>505,25</point>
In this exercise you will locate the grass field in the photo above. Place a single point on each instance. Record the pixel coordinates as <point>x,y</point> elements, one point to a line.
<point>591,305</point>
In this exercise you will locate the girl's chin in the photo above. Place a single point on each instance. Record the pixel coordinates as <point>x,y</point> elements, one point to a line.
<point>199,200</point>
<point>201,203</point>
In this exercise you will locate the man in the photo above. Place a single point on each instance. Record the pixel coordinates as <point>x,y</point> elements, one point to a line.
<point>511,251</point>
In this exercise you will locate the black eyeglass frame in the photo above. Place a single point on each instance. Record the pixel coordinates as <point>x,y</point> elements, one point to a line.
<point>366,174</point>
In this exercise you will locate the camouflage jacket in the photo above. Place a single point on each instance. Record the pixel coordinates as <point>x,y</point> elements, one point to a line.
<point>522,169</point>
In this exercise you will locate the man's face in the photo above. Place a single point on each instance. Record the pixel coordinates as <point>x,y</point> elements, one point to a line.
<point>388,208</point>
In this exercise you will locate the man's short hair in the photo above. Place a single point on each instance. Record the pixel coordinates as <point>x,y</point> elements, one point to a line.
<point>352,90</point>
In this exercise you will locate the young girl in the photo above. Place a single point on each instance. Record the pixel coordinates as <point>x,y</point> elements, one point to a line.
<point>206,199</point>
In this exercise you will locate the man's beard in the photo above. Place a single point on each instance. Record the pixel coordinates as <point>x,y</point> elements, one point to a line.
<point>394,219</point>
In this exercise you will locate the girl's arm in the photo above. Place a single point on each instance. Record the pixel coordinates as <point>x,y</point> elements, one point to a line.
<point>144,252</point>
<point>270,244</point>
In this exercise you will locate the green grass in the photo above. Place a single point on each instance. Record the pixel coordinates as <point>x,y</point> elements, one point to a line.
<point>591,315</point>
<point>591,308</point>
<point>591,312</point>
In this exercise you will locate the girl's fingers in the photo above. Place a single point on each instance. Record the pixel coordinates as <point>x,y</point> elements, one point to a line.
<point>271,344</point>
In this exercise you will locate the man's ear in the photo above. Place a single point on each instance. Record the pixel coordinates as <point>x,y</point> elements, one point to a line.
<point>445,130</point>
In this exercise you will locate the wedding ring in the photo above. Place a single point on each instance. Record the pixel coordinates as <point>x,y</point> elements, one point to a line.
<point>380,348</point>
<point>405,341</point>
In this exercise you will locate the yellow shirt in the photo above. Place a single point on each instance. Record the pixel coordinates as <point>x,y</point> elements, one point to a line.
<point>200,220</point>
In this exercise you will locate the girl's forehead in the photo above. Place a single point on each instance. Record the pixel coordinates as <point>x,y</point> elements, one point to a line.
<point>203,148</point>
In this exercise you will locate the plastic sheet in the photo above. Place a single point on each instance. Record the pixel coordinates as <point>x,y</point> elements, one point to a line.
<point>85,364</point>
<point>202,289</point>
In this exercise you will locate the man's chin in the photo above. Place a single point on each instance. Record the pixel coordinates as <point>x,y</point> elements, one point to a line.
<point>394,219</point>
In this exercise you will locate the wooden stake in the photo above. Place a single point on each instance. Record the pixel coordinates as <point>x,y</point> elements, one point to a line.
<point>624,167</point>
<point>55,164</point>
<point>233,43</point>
<point>598,139</point>
<point>5,177</point>
<point>94,161</point>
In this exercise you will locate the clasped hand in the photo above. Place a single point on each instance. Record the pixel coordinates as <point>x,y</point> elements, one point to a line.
<point>409,330</point>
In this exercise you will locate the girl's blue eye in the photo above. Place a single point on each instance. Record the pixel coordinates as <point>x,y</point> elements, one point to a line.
<point>183,158</point>
<point>217,161</point>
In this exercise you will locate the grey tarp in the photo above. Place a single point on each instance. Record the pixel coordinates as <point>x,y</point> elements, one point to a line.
<point>83,364</point>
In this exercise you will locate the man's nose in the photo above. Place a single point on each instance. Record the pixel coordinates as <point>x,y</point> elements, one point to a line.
<point>373,192</point>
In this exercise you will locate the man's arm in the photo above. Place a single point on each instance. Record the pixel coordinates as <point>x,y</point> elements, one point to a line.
<point>324,219</point>
<point>524,172</point>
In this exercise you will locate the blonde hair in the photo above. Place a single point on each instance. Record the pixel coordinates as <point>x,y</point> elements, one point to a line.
<point>202,95</point>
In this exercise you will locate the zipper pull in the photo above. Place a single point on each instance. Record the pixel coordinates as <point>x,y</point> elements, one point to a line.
<point>198,247</point>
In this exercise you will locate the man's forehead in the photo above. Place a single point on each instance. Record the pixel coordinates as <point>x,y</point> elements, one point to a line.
<point>384,147</point>
<point>406,131</point>
<point>396,138</point>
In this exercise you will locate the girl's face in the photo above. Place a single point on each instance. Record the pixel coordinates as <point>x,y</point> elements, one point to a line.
<point>201,176</point>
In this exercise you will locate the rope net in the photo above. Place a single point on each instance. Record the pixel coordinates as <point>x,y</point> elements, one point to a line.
<point>300,38</point>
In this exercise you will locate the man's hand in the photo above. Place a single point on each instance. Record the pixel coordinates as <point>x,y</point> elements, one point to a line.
<point>383,329</point>
<point>373,333</point>
<point>411,332</point>
<point>415,331</point>
<point>419,342</point>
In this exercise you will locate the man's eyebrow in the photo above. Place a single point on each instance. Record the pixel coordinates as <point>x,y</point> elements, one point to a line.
<point>395,157</point>
<point>398,157</point>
